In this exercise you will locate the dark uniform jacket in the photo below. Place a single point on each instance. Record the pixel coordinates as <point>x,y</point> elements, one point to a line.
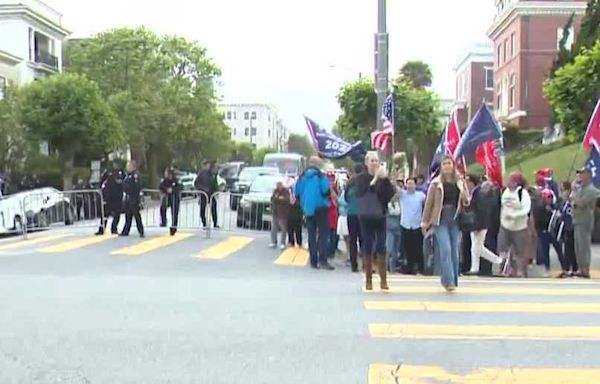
<point>206,181</point>
<point>164,186</point>
<point>132,189</point>
<point>112,188</point>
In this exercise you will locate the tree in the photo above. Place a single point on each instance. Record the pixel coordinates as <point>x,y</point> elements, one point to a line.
<point>300,144</point>
<point>13,143</point>
<point>69,113</point>
<point>417,73</point>
<point>260,154</point>
<point>162,88</point>
<point>574,89</point>
<point>358,102</point>
<point>589,32</point>
<point>243,152</point>
<point>564,55</point>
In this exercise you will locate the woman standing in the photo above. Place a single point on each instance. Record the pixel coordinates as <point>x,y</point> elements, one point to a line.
<point>354,235</point>
<point>374,192</point>
<point>447,196</point>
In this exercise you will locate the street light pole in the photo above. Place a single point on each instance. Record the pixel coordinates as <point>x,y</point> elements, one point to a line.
<point>381,59</point>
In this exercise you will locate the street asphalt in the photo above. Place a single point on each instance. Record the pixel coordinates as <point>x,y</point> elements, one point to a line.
<point>227,309</point>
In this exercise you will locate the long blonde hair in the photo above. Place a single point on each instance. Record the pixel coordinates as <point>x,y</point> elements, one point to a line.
<point>454,178</point>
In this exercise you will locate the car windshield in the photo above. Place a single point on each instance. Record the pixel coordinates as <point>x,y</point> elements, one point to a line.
<point>264,184</point>
<point>285,166</point>
<point>251,173</point>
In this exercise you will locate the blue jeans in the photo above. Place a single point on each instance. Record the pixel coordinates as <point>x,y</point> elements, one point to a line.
<point>332,244</point>
<point>447,237</point>
<point>392,241</point>
<point>318,236</point>
<point>543,249</point>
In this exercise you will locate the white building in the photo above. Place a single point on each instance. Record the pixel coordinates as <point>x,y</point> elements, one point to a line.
<point>255,123</point>
<point>31,37</point>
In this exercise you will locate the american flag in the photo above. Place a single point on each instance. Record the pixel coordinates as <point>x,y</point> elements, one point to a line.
<point>382,140</point>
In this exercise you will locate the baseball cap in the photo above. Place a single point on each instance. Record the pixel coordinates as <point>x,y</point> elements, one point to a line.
<point>584,170</point>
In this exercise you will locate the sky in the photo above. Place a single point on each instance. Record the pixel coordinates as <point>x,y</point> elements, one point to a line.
<point>295,54</point>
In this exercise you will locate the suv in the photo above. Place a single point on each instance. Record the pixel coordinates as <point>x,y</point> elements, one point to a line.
<point>242,183</point>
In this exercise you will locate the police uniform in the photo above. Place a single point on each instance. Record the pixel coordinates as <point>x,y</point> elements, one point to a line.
<point>170,199</point>
<point>112,194</point>
<point>132,203</point>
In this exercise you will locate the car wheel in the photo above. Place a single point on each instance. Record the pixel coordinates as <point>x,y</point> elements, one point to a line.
<point>41,220</point>
<point>18,225</point>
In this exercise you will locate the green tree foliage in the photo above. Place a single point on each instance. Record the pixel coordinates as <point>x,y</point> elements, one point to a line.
<point>243,152</point>
<point>69,113</point>
<point>574,90</point>
<point>564,55</point>
<point>300,144</point>
<point>358,102</point>
<point>417,73</point>
<point>13,143</point>
<point>260,154</point>
<point>162,88</point>
<point>589,32</point>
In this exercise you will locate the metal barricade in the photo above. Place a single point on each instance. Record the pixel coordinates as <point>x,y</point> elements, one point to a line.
<point>241,212</point>
<point>49,208</point>
<point>184,210</point>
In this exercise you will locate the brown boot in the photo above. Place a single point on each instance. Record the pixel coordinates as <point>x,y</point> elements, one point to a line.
<point>368,260</point>
<point>382,266</point>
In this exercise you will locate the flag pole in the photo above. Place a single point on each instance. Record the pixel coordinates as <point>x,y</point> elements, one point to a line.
<point>573,164</point>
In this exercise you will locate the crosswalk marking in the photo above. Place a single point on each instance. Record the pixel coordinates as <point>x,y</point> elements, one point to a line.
<point>411,374</point>
<point>483,332</point>
<point>225,248</point>
<point>468,280</point>
<point>151,245</point>
<point>76,244</point>
<point>34,241</point>
<point>529,291</point>
<point>297,257</point>
<point>429,306</point>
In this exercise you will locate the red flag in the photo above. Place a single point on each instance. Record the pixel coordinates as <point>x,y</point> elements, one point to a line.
<point>487,155</point>
<point>593,129</point>
<point>382,140</point>
<point>452,134</point>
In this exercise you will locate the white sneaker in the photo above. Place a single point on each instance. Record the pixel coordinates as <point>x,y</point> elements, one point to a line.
<point>282,247</point>
<point>272,245</point>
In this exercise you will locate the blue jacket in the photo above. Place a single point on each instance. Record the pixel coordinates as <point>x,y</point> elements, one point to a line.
<point>313,191</point>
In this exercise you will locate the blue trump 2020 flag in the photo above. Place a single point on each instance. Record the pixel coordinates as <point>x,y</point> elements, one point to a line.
<point>440,151</point>
<point>593,164</point>
<point>330,146</point>
<point>482,128</point>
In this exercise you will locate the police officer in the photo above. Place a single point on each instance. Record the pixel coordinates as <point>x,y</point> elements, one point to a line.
<point>131,199</point>
<point>170,197</point>
<point>111,186</point>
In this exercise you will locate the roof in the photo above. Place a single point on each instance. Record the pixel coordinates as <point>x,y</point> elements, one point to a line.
<point>481,52</point>
<point>36,10</point>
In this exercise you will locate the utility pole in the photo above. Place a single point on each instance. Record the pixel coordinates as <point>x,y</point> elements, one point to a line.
<point>381,59</point>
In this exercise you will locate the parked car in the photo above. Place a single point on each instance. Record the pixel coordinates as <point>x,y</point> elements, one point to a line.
<point>36,208</point>
<point>186,179</point>
<point>246,178</point>
<point>230,172</point>
<point>254,210</point>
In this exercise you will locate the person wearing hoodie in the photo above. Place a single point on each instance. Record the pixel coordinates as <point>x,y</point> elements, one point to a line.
<point>374,192</point>
<point>354,235</point>
<point>543,208</point>
<point>514,219</point>
<point>313,191</point>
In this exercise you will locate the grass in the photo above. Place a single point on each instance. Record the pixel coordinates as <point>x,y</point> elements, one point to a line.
<point>561,160</point>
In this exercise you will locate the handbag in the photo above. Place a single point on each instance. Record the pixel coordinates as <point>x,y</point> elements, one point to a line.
<point>369,206</point>
<point>466,221</point>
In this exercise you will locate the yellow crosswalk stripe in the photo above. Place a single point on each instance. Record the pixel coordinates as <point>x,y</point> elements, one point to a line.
<point>296,257</point>
<point>472,280</point>
<point>151,245</point>
<point>431,306</point>
<point>519,291</point>
<point>225,248</point>
<point>483,332</point>
<point>76,244</point>
<point>411,374</point>
<point>34,241</point>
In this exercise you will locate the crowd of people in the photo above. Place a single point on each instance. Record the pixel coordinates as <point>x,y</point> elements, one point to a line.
<point>450,225</point>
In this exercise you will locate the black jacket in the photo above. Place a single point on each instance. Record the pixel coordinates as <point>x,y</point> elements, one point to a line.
<point>132,188</point>
<point>383,188</point>
<point>165,184</point>
<point>482,205</point>
<point>112,187</point>
<point>206,181</point>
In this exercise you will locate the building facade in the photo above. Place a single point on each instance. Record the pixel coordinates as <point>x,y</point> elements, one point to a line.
<point>31,37</point>
<point>255,123</point>
<point>474,81</point>
<point>526,36</point>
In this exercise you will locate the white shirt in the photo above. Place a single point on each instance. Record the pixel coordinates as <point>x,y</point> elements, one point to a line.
<point>514,214</point>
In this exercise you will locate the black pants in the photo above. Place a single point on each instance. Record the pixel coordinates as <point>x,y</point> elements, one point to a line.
<point>213,209</point>
<point>355,239</point>
<point>412,240</point>
<point>113,211</point>
<point>294,228</point>
<point>569,259</point>
<point>466,259</point>
<point>373,233</point>
<point>173,203</point>
<point>133,212</point>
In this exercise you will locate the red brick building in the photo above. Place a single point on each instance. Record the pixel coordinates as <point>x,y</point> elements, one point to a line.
<point>525,35</point>
<point>474,81</point>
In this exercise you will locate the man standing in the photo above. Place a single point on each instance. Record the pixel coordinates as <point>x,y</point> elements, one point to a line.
<point>170,197</point>
<point>111,187</point>
<point>584,203</point>
<point>206,182</point>
<point>313,191</point>
<point>131,199</point>
<point>411,206</point>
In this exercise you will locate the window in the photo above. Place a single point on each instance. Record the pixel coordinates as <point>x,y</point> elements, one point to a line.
<point>269,133</point>
<point>234,115</point>
<point>559,35</point>
<point>253,115</point>
<point>246,115</point>
<point>499,54</point>
<point>253,131</point>
<point>234,132</point>
<point>2,87</point>
<point>246,131</point>
<point>489,78</point>
<point>505,53</point>
<point>513,90</point>
<point>228,115</point>
<point>513,44</point>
